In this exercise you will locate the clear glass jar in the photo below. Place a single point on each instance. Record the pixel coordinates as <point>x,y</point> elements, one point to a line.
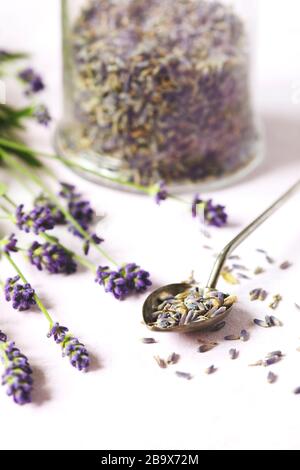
<point>159,90</point>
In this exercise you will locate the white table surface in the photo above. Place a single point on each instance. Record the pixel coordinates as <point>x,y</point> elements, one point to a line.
<point>126,401</point>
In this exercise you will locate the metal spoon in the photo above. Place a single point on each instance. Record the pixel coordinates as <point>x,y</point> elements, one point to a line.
<point>154,299</point>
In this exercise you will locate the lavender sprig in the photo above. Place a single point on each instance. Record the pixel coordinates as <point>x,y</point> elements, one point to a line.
<point>211,214</point>
<point>71,347</point>
<point>17,372</point>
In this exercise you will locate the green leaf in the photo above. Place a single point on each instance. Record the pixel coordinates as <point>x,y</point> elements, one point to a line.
<point>6,56</point>
<point>3,189</point>
<point>21,151</point>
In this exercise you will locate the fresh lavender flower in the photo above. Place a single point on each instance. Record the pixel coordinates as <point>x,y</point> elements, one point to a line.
<point>33,80</point>
<point>71,347</point>
<point>137,279</point>
<point>38,220</point>
<point>43,201</point>
<point>215,214</point>
<point>17,373</point>
<point>21,295</point>
<point>52,257</point>
<point>162,193</point>
<point>11,245</point>
<point>121,283</point>
<point>42,115</point>
<point>113,281</point>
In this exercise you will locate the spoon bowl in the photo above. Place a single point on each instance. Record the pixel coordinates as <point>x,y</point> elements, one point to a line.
<point>173,289</point>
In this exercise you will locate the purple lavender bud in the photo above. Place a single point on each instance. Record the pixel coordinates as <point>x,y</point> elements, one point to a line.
<point>43,201</point>
<point>17,373</point>
<point>215,214</point>
<point>162,193</point>
<point>52,257</point>
<point>42,115</point>
<point>113,281</point>
<point>11,245</point>
<point>97,240</point>
<point>21,295</point>
<point>71,347</point>
<point>33,80</point>
<point>138,280</point>
<point>38,220</point>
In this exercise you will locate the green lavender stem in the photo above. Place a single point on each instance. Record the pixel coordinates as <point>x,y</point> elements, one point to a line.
<point>36,297</point>
<point>19,167</point>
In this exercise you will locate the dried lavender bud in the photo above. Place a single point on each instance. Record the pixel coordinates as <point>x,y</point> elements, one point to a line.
<point>258,294</point>
<point>71,347</point>
<point>258,270</point>
<point>233,354</point>
<point>161,362</point>
<point>285,265</point>
<point>33,80</point>
<point>244,335</point>
<point>261,323</point>
<point>218,327</point>
<point>42,115</point>
<point>297,391</point>
<point>276,300</point>
<point>38,220</point>
<point>232,338</point>
<point>272,378</point>
<point>17,372</point>
<point>51,257</point>
<point>148,340</point>
<point>11,245</point>
<point>271,360</point>
<point>173,359</point>
<point>21,295</point>
<point>211,370</point>
<point>184,375</point>
<point>196,202</point>
<point>206,347</point>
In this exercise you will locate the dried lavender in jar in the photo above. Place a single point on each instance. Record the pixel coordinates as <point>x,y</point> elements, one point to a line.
<point>161,88</point>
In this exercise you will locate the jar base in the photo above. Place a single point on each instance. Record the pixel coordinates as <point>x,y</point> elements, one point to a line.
<point>104,170</point>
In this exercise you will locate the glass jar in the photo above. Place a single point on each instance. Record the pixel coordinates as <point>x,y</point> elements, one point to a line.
<point>159,90</point>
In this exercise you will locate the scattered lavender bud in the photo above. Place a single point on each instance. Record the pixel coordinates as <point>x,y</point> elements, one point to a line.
<point>184,375</point>
<point>38,220</point>
<point>232,338</point>
<point>17,372</point>
<point>210,370</point>
<point>297,391</point>
<point>21,295</point>
<point>244,336</point>
<point>161,362</point>
<point>148,340</point>
<point>51,257</point>
<point>71,347</point>
<point>234,354</point>
<point>272,378</point>
<point>258,270</point>
<point>285,265</point>
<point>196,201</point>
<point>276,300</point>
<point>173,359</point>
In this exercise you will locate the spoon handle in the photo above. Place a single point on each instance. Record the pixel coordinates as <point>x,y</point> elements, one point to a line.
<point>231,246</point>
